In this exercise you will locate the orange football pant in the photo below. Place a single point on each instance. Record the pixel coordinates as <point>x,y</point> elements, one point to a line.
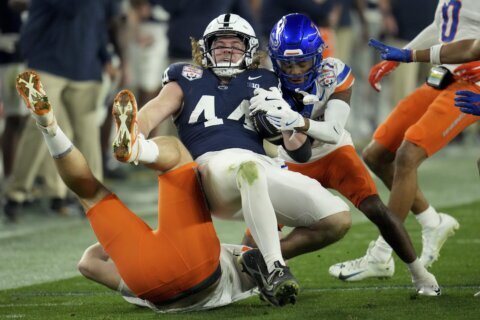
<point>426,118</point>
<point>342,170</point>
<point>160,264</point>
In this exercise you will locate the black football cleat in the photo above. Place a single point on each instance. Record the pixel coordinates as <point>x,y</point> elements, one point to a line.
<point>278,287</point>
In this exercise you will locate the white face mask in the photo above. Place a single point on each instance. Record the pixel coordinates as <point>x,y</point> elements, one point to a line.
<point>227,56</point>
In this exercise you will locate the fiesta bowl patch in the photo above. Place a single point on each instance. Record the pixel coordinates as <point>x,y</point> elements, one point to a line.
<point>192,72</point>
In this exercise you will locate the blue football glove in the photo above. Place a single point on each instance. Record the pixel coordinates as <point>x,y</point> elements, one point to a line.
<point>468,102</point>
<point>391,53</point>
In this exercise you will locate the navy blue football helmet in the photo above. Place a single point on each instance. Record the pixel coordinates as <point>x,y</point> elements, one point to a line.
<point>295,40</point>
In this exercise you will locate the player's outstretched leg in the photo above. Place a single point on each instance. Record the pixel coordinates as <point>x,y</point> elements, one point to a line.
<point>278,287</point>
<point>71,164</point>
<point>434,238</point>
<point>125,144</point>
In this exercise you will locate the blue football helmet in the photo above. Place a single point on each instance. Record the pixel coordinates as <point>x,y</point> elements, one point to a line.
<point>295,40</point>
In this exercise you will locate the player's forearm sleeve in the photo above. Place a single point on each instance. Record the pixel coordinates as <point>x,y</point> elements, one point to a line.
<point>330,130</point>
<point>303,153</point>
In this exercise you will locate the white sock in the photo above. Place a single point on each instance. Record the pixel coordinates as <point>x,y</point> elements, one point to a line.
<point>428,218</point>
<point>259,214</point>
<point>58,143</point>
<point>381,250</point>
<point>417,270</point>
<point>148,150</point>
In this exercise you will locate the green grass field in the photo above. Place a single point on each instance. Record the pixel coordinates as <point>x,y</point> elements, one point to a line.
<point>321,296</point>
<point>38,278</point>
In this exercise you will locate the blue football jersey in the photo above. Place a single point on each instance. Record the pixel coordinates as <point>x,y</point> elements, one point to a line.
<point>214,116</point>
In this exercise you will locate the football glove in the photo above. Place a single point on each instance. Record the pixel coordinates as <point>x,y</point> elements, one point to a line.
<point>264,100</point>
<point>307,97</point>
<point>468,102</point>
<point>380,70</point>
<point>468,71</point>
<point>285,119</point>
<point>391,53</point>
<point>278,111</point>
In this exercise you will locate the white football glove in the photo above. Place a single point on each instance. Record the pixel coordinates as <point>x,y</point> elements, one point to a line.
<point>278,111</point>
<point>307,97</point>
<point>265,100</point>
<point>284,118</point>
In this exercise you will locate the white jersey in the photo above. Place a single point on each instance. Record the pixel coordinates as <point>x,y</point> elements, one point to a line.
<point>234,285</point>
<point>335,76</point>
<point>457,20</point>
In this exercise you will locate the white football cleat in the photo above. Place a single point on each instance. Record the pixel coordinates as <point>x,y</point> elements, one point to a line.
<point>363,268</point>
<point>125,144</point>
<point>427,285</point>
<point>434,238</point>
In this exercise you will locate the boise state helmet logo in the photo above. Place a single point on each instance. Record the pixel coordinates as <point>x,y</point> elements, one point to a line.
<point>275,37</point>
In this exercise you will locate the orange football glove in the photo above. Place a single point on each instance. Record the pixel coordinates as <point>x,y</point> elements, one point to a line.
<point>468,71</point>
<point>379,71</point>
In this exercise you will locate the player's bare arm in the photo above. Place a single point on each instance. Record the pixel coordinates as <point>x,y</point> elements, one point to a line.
<point>456,52</point>
<point>168,102</point>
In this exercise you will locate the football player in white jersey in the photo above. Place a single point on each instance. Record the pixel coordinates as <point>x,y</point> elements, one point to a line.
<point>316,107</point>
<point>209,101</point>
<point>462,51</point>
<point>423,123</point>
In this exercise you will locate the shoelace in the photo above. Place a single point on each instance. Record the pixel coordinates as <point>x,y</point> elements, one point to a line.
<point>354,264</point>
<point>275,271</point>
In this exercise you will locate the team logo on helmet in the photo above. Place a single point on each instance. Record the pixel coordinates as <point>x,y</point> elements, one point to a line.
<point>276,37</point>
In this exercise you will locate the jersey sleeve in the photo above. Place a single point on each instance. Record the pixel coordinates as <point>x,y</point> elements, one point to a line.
<point>181,71</point>
<point>345,78</point>
<point>334,73</point>
<point>172,73</point>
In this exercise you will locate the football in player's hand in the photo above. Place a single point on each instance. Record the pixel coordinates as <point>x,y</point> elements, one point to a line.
<point>265,129</point>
